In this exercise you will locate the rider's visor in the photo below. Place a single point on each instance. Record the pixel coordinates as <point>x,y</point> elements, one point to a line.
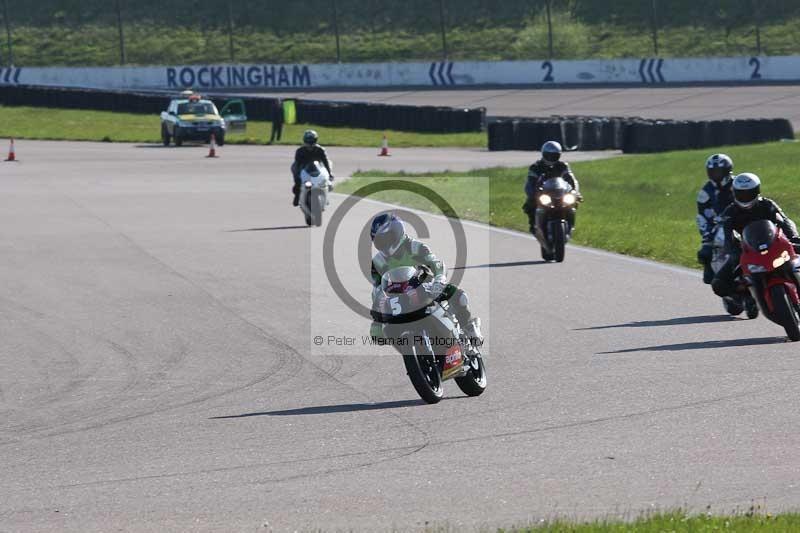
<point>717,174</point>
<point>746,197</point>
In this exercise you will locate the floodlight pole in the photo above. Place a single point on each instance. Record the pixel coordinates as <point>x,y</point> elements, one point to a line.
<point>121,34</point>
<point>549,31</point>
<point>230,30</point>
<point>336,31</point>
<point>655,26</point>
<point>444,28</point>
<point>8,34</point>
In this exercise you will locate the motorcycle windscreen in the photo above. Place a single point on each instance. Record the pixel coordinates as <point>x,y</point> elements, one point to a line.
<point>398,280</point>
<point>759,235</point>
<point>313,169</point>
<point>556,187</point>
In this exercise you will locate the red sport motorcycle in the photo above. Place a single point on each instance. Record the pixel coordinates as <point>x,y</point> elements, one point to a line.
<point>770,267</point>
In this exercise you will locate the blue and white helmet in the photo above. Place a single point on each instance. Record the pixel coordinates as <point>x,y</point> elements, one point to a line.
<point>387,232</point>
<point>746,190</point>
<point>719,168</point>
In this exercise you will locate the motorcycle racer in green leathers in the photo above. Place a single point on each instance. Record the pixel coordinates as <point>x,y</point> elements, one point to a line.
<point>397,249</point>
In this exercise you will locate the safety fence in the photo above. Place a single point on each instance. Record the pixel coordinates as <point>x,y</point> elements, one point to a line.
<point>633,135</point>
<point>146,32</point>
<point>424,119</point>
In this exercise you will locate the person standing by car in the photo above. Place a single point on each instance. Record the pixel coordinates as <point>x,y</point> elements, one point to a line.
<point>277,120</point>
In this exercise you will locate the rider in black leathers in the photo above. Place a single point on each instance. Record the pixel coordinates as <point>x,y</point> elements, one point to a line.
<point>549,166</point>
<point>713,198</point>
<point>748,206</point>
<point>308,153</point>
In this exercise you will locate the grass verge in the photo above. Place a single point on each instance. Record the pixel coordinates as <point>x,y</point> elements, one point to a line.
<point>79,125</point>
<point>679,522</point>
<point>640,205</point>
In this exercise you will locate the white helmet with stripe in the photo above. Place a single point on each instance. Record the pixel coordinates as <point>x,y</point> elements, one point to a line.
<point>746,190</point>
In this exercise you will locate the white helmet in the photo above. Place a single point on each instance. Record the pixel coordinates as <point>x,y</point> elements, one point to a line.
<point>746,190</point>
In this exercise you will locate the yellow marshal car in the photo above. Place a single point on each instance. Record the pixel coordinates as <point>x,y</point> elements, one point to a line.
<point>194,118</point>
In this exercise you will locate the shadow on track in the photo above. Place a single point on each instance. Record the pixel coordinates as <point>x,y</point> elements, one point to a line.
<point>503,265</point>
<point>703,319</point>
<point>329,409</point>
<point>275,228</point>
<point>702,345</point>
<point>189,144</point>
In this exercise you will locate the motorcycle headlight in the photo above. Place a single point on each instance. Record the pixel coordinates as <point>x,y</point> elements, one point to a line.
<point>545,199</point>
<point>569,199</point>
<point>308,184</point>
<point>756,269</point>
<point>779,261</point>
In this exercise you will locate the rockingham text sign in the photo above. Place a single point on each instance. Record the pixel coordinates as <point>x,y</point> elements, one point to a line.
<point>239,76</point>
<point>635,71</point>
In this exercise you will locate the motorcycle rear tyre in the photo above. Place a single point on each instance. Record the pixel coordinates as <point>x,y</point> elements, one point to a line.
<point>731,306</point>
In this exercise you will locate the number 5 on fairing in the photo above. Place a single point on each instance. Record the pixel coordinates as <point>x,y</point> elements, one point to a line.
<point>396,307</point>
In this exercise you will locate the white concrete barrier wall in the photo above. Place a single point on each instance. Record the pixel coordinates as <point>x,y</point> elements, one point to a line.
<point>653,71</point>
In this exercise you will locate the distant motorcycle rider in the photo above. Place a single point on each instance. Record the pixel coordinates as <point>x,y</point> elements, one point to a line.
<point>548,166</point>
<point>308,153</point>
<point>713,198</point>
<point>748,206</point>
<point>397,249</point>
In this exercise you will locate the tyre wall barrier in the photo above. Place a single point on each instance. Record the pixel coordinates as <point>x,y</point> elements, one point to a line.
<point>424,119</point>
<point>502,135</point>
<point>632,135</point>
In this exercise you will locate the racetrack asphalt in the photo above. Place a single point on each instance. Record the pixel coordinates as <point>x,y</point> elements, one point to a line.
<point>157,370</point>
<point>680,103</point>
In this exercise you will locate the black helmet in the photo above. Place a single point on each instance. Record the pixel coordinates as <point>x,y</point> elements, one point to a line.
<point>551,152</point>
<point>746,190</point>
<point>387,233</point>
<point>719,168</point>
<point>310,137</point>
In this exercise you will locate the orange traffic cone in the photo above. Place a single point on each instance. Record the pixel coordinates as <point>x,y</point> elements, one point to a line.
<point>212,147</point>
<point>12,156</point>
<point>385,147</point>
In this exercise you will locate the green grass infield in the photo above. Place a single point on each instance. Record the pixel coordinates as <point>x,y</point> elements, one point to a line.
<point>639,205</point>
<point>79,125</point>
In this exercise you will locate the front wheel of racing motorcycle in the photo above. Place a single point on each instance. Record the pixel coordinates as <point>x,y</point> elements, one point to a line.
<point>474,383</point>
<point>785,311</point>
<point>423,369</point>
<point>316,208</point>
<point>559,241</point>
